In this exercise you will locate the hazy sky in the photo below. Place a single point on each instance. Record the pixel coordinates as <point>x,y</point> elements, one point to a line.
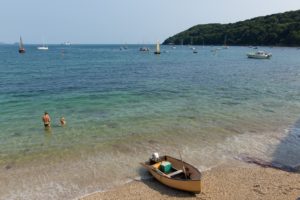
<point>122,21</point>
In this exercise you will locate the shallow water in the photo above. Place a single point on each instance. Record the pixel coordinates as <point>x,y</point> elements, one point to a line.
<point>120,106</point>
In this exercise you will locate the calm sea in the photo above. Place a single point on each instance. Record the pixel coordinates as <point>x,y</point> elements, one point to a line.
<point>122,105</point>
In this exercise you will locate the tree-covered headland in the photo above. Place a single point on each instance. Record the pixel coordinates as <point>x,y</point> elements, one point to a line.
<point>281,29</point>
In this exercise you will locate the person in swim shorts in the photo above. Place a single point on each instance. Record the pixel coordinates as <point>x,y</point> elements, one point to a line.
<point>46,119</point>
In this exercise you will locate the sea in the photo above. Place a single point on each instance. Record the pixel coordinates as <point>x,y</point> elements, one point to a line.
<point>213,108</point>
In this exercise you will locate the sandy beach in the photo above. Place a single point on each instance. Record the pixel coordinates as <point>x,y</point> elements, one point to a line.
<point>223,182</point>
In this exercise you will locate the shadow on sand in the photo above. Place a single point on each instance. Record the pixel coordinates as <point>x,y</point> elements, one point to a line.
<point>287,154</point>
<point>161,188</point>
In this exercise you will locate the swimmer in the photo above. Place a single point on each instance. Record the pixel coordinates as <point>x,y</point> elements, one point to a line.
<point>62,121</point>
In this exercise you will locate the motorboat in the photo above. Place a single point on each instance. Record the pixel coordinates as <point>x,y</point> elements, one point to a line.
<point>259,55</point>
<point>144,49</point>
<point>42,48</point>
<point>174,173</point>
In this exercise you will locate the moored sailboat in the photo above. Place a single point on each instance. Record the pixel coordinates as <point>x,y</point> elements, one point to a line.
<point>225,43</point>
<point>43,47</point>
<point>21,46</point>
<point>157,48</point>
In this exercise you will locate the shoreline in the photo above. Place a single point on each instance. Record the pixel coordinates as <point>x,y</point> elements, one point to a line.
<point>245,181</point>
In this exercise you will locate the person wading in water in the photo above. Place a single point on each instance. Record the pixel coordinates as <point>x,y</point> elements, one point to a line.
<point>46,119</point>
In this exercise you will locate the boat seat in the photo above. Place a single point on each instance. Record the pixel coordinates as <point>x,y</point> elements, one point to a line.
<point>175,173</point>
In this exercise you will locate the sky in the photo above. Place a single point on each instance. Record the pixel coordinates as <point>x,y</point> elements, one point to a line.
<point>122,21</point>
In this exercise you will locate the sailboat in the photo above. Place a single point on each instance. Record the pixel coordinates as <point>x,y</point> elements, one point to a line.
<point>44,47</point>
<point>225,43</point>
<point>157,48</point>
<point>21,46</point>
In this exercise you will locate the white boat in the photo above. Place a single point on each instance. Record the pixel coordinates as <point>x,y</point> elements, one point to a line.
<point>67,43</point>
<point>44,47</point>
<point>157,48</point>
<point>259,55</point>
<point>144,49</point>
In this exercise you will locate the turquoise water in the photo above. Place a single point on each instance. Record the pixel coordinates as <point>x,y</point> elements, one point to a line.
<point>121,105</point>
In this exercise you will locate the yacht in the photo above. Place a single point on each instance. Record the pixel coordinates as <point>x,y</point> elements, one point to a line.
<point>259,55</point>
<point>157,48</point>
<point>42,48</point>
<point>21,46</point>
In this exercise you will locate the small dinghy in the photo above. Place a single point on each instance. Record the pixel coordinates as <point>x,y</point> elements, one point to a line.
<point>174,173</point>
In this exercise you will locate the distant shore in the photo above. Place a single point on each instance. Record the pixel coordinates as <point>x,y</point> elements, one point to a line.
<point>224,182</point>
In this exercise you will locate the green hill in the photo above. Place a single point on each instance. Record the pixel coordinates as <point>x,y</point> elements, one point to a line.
<point>281,29</point>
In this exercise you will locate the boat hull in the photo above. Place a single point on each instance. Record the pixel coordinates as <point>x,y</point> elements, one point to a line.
<point>258,57</point>
<point>42,48</point>
<point>21,50</point>
<point>190,184</point>
<point>185,185</point>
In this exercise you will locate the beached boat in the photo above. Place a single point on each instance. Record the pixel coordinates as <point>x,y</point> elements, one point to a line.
<point>21,46</point>
<point>157,48</point>
<point>259,55</point>
<point>174,173</point>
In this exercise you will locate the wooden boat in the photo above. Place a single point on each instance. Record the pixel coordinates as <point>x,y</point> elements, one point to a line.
<point>21,46</point>
<point>182,175</point>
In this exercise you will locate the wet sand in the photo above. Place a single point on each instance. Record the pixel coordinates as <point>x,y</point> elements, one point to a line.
<point>223,182</point>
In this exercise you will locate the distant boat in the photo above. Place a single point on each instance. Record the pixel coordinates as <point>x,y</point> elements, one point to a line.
<point>44,47</point>
<point>174,173</point>
<point>195,51</point>
<point>21,46</point>
<point>225,43</point>
<point>67,43</point>
<point>144,49</point>
<point>259,55</point>
<point>157,48</point>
